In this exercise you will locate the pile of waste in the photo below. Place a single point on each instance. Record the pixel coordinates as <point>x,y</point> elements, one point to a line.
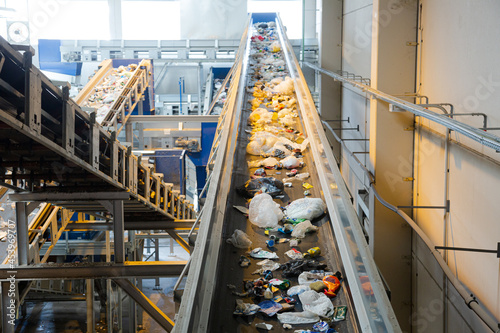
<point>298,288</point>
<point>109,90</point>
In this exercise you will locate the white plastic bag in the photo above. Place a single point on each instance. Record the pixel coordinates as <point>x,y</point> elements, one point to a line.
<point>264,212</point>
<point>317,303</point>
<point>305,317</point>
<point>300,230</point>
<point>306,278</point>
<point>239,239</point>
<point>297,290</point>
<point>290,162</point>
<point>294,255</point>
<point>305,208</point>
<point>263,254</point>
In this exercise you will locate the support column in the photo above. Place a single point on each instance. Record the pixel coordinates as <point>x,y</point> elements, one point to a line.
<point>22,233</point>
<point>118,231</point>
<point>391,147</point>
<point>115,19</point>
<point>8,316</point>
<point>330,58</point>
<point>89,296</point>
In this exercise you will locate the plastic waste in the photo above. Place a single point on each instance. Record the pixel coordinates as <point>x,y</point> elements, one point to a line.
<point>268,265</point>
<point>269,307</point>
<point>291,162</point>
<point>264,326</point>
<point>294,254</point>
<point>306,278</point>
<point>294,242</point>
<point>244,261</point>
<point>301,229</point>
<point>242,209</point>
<point>297,290</point>
<point>318,286</point>
<point>269,185</point>
<point>287,326</point>
<point>321,326</point>
<point>268,294</point>
<point>264,212</point>
<point>340,313</point>
<point>245,309</point>
<point>317,303</point>
<point>267,162</point>
<point>312,252</point>
<point>332,282</point>
<point>239,239</point>
<point>295,267</point>
<point>296,318</point>
<point>262,254</point>
<point>305,208</point>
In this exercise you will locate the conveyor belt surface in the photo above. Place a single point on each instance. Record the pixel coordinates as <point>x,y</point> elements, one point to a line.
<point>230,272</point>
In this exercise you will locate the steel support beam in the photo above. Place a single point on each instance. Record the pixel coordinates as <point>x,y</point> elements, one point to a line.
<point>128,269</point>
<point>161,318</point>
<point>118,231</point>
<point>179,240</point>
<point>22,233</point>
<point>156,119</point>
<point>77,196</point>
<point>89,297</point>
<point>147,225</point>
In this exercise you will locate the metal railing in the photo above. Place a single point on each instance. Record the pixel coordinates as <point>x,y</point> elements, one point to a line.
<point>468,297</point>
<point>473,133</point>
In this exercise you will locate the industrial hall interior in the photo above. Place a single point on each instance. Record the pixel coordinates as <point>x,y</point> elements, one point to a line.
<point>239,166</point>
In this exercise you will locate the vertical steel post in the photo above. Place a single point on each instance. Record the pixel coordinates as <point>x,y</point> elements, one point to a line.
<point>118,231</point>
<point>22,233</point>
<point>89,296</point>
<point>157,258</point>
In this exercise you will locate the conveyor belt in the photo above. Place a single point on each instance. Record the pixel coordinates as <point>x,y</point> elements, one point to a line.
<point>128,96</point>
<point>49,145</point>
<point>208,303</point>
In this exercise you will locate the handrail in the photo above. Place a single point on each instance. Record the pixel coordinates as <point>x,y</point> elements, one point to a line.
<point>475,134</point>
<point>468,297</point>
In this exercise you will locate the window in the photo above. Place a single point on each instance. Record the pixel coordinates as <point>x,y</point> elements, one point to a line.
<point>289,11</point>
<point>151,20</point>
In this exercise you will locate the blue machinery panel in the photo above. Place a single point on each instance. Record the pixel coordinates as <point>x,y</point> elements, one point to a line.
<point>49,51</point>
<point>171,162</point>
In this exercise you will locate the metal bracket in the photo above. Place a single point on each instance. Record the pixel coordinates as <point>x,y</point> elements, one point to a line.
<point>347,128</point>
<point>446,207</point>
<point>468,249</point>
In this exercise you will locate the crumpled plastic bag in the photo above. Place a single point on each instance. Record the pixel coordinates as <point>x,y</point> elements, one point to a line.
<point>239,239</point>
<point>245,309</point>
<point>306,278</point>
<point>285,87</point>
<point>291,162</point>
<point>266,185</point>
<point>304,317</point>
<point>275,46</point>
<point>264,212</point>
<point>259,253</point>
<point>317,303</point>
<point>266,265</point>
<point>260,116</point>
<point>305,208</point>
<point>261,142</point>
<point>297,290</point>
<point>300,230</point>
<point>267,162</point>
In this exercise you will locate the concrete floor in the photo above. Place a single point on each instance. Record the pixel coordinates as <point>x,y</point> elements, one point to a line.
<point>70,316</point>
